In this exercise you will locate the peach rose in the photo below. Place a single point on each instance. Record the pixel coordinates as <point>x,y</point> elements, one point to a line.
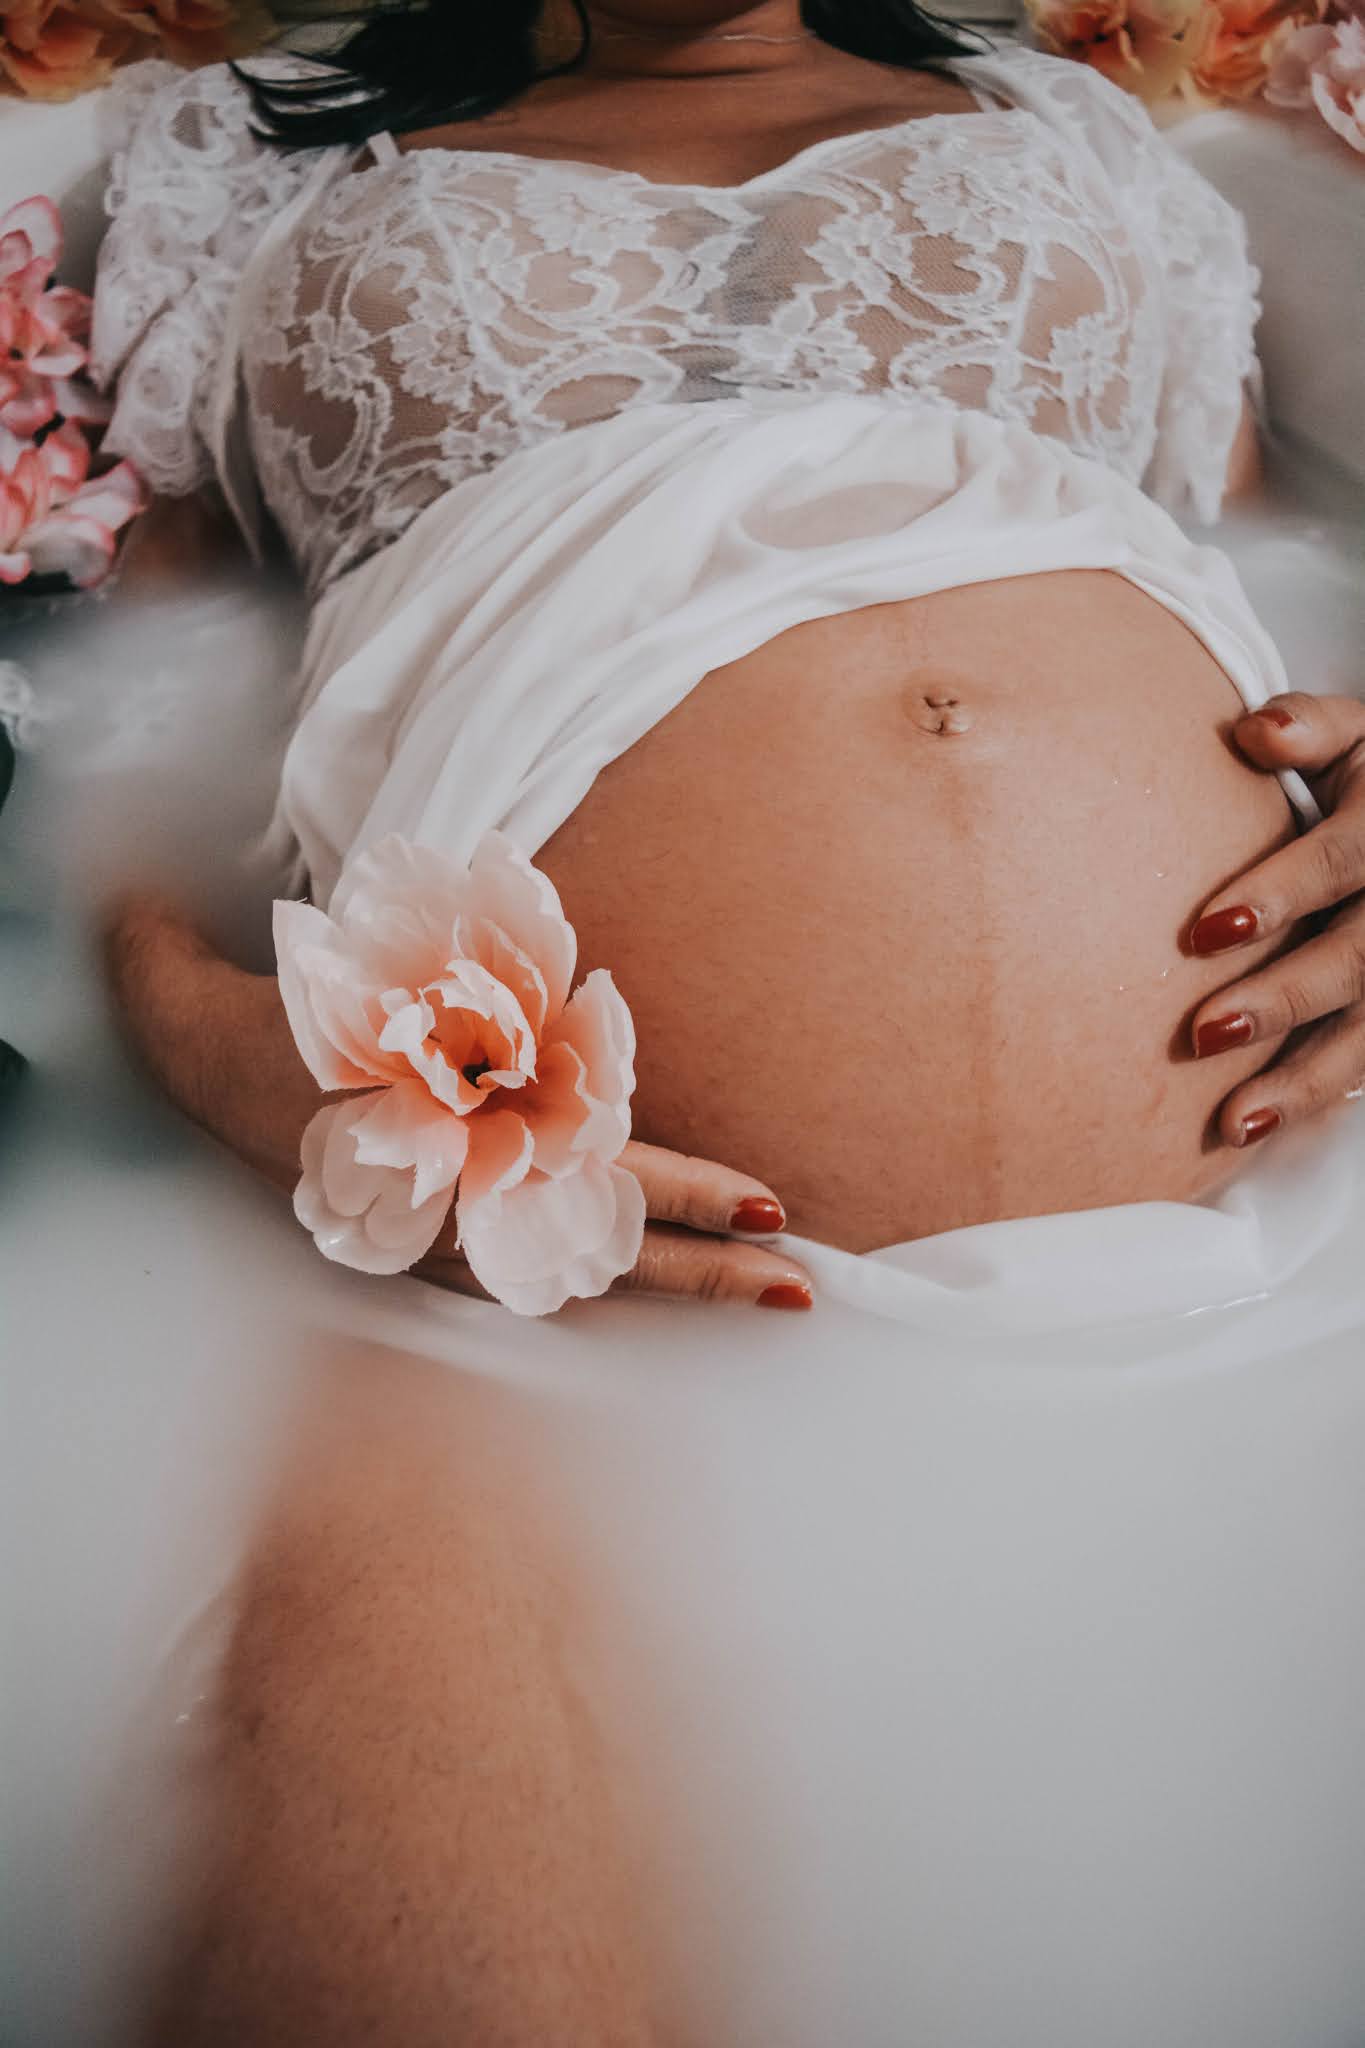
<point>197,31</point>
<point>1324,67</point>
<point>54,519</point>
<point>440,996</point>
<point>1148,47</point>
<point>1237,59</point>
<point>50,50</point>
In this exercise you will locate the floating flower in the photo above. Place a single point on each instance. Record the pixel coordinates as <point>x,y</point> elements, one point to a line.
<point>442,995</point>
<point>43,328</point>
<point>1149,47</point>
<point>55,520</point>
<point>1324,67</point>
<point>51,50</point>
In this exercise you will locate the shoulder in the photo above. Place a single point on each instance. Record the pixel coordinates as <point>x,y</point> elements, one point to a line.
<point>158,114</point>
<point>190,177</point>
<point>1068,95</point>
<point>191,190</point>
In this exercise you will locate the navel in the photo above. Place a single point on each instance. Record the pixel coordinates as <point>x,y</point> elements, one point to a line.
<point>937,704</point>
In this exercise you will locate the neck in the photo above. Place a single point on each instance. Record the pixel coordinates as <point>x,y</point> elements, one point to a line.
<point>766,39</point>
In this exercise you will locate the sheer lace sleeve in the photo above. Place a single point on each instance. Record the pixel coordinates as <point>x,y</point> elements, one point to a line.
<point>1197,245</point>
<point>1212,306</point>
<point>191,192</point>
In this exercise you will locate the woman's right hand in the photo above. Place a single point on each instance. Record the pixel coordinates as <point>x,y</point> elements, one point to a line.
<point>216,1041</point>
<point>691,1204</point>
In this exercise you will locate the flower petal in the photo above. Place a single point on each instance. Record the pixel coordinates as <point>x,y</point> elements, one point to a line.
<point>500,1148</point>
<point>584,1106</point>
<point>38,221</point>
<point>64,544</point>
<point>524,905</point>
<point>402,1127</point>
<point>330,1011</point>
<point>397,904</point>
<point>479,938</point>
<point>379,1230</point>
<point>549,1241</point>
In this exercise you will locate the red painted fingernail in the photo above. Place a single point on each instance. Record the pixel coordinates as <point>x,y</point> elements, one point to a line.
<point>759,1214</point>
<point>1224,928</point>
<point>1259,1125</point>
<point>786,1294</point>
<point>1276,714</point>
<point>1220,1034</point>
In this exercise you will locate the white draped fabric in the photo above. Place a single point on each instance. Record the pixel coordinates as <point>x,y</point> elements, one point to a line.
<point>534,624</point>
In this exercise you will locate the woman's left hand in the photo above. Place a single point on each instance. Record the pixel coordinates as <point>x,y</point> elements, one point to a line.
<point>1317,989</point>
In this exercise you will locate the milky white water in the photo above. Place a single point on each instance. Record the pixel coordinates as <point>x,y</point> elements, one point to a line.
<point>995,1679</point>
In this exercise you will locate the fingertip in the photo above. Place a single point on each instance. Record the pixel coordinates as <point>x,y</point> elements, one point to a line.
<point>1269,734</point>
<point>759,1216</point>
<point>791,1295</point>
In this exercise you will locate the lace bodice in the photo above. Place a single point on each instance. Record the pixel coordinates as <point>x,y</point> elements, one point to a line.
<point>350,341</point>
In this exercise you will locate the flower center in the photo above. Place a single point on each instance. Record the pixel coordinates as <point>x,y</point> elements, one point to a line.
<point>475,1072</point>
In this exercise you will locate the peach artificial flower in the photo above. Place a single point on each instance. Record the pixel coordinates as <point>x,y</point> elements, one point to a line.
<point>55,519</point>
<point>197,31</point>
<point>53,50</point>
<point>439,996</point>
<point>1236,61</point>
<point>43,328</point>
<point>1148,47</point>
<point>1324,67</point>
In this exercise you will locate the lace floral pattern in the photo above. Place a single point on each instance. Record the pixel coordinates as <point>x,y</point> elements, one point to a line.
<point>1048,260</point>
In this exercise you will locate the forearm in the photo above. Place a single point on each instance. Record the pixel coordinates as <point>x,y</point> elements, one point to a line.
<point>180,541</point>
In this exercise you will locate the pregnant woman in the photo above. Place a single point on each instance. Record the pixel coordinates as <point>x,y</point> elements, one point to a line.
<point>716,439</point>
<point>892,812</point>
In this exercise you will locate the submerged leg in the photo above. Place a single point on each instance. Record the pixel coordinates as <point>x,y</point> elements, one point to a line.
<point>412,1832</point>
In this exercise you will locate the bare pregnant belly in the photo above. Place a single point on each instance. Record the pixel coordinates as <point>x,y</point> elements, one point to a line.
<point>899,902</point>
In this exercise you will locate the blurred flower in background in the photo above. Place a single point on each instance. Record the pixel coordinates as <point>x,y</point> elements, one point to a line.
<point>58,516</point>
<point>1324,67</point>
<point>1149,47</point>
<point>55,518</point>
<point>1296,53</point>
<point>55,49</point>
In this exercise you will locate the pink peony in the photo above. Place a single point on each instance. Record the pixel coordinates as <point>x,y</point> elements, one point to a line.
<point>443,994</point>
<point>1324,67</point>
<point>54,519</point>
<point>43,328</point>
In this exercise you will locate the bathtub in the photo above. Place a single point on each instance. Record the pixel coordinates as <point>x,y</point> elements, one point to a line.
<point>1013,1696</point>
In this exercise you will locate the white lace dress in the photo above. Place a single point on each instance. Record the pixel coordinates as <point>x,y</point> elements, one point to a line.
<point>343,344</point>
<point>483,396</point>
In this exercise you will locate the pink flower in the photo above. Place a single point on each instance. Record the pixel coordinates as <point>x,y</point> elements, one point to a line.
<point>55,520</point>
<point>42,330</point>
<point>1324,67</point>
<point>443,994</point>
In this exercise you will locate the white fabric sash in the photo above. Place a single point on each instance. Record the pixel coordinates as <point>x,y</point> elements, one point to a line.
<point>533,624</point>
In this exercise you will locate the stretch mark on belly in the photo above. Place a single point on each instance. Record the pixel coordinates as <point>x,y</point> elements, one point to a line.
<point>937,707</point>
